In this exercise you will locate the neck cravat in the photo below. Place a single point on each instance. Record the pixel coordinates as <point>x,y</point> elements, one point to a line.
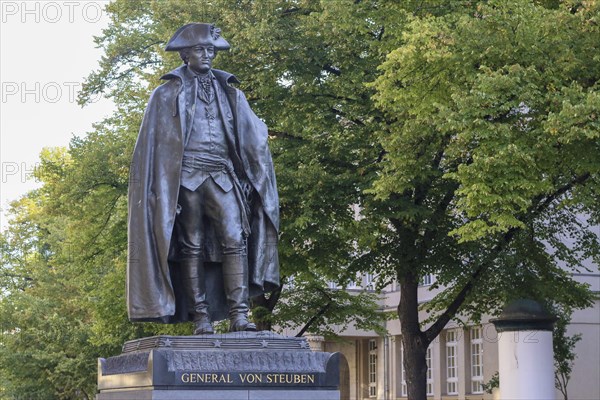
<point>205,89</point>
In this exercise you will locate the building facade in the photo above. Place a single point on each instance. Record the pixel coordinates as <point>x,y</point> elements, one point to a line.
<point>461,359</point>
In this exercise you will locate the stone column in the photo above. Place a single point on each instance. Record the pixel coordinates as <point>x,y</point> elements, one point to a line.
<point>316,342</point>
<point>526,356</point>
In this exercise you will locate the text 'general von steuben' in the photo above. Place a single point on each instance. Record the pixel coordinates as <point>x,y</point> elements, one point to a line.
<point>248,378</point>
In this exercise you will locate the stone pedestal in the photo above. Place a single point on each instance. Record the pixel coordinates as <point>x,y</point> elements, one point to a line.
<point>244,365</point>
<point>526,356</point>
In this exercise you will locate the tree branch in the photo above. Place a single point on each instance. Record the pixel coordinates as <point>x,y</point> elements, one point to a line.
<point>284,135</point>
<point>343,115</point>
<point>331,69</point>
<point>293,10</point>
<point>434,330</point>
<point>274,298</point>
<point>380,34</point>
<point>319,313</point>
<point>544,202</point>
<point>382,154</point>
<point>312,320</point>
<point>109,215</point>
<point>16,276</point>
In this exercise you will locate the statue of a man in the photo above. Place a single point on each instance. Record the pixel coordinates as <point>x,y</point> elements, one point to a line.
<point>203,203</point>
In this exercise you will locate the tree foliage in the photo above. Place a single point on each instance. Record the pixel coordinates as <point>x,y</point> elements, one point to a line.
<point>409,138</point>
<point>564,351</point>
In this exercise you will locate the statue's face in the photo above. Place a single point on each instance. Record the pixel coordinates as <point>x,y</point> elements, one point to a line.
<point>200,58</point>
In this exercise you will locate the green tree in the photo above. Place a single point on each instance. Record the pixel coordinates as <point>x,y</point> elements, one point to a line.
<point>498,107</point>
<point>564,351</point>
<point>44,351</point>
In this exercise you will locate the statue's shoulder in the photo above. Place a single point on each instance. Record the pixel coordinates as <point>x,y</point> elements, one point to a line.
<point>173,79</point>
<point>226,78</point>
<point>167,90</point>
<point>172,85</point>
<point>177,73</point>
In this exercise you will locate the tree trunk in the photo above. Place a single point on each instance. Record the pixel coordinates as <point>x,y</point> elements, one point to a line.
<point>263,325</point>
<point>414,341</point>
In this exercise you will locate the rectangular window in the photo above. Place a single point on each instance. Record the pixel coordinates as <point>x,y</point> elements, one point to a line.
<point>372,368</point>
<point>451,362</point>
<point>476,360</point>
<point>403,388</point>
<point>427,280</point>
<point>429,372</point>
<point>332,285</point>
<point>290,282</point>
<point>353,285</point>
<point>369,281</point>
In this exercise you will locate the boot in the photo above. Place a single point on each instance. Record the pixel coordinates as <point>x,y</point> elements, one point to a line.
<point>195,286</point>
<point>235,278</point>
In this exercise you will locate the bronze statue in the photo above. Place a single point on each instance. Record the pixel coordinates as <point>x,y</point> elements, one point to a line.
<point>203,203</point>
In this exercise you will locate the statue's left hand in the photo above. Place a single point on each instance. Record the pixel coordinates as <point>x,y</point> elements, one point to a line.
<point>247,191</point>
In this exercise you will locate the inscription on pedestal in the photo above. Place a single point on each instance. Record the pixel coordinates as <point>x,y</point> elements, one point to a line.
<point>242,361</point>
<point>247,378</point>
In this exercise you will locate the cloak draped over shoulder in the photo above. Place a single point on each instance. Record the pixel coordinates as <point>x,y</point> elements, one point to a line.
<point>154,290</point>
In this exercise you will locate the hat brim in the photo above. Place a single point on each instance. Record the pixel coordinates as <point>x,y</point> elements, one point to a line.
<point>195,34</point>
<point>219,44</point>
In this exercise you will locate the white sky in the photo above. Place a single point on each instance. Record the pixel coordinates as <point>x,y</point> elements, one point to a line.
<point>46,50</point>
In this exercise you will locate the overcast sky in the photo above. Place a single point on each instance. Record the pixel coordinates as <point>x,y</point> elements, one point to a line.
<point>46,50</point>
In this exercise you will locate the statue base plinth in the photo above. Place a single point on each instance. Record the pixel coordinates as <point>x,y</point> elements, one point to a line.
<point>222,394</point>
<point>242,365</point>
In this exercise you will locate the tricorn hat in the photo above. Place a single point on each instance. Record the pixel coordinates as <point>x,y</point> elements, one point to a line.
<point>197,33</point>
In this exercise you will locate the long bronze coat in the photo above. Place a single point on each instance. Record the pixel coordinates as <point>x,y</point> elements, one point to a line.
<point>154,291</point>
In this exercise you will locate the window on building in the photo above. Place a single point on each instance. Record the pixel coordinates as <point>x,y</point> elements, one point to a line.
<point>476,360</point>
<point>403,388</point>
<point>291,282</point>
<point>452,362</point>
<point>426,280</point>
<point>429,372</point>
<point>372,368</point>
<point>332,284</point>
<point>369,281</point>
<point>353,283</point>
